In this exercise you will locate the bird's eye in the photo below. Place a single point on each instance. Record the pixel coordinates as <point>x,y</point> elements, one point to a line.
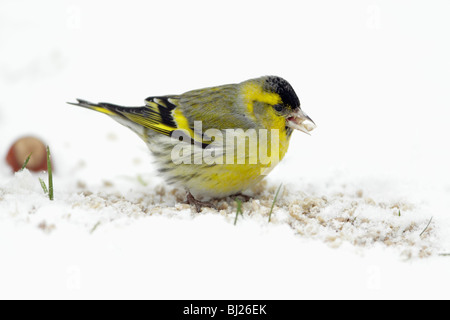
<point>278,107</point>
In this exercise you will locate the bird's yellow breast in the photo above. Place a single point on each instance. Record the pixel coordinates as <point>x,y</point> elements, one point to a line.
<point>226,179</point>
<point>229,178</point>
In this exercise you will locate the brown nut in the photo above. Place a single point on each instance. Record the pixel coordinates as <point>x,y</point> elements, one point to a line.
<point>20,151</point>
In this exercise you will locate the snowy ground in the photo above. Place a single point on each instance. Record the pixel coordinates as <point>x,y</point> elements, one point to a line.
<point>358,194</point>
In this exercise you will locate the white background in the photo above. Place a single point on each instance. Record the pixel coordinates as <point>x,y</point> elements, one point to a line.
<point>373,75</point>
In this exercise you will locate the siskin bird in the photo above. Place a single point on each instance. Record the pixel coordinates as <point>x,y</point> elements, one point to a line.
<point>218,141</point>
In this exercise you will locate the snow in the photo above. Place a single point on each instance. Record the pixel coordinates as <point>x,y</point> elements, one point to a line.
<point>358,194</point>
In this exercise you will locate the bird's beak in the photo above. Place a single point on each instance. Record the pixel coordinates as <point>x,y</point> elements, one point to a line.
<point>300,121</point>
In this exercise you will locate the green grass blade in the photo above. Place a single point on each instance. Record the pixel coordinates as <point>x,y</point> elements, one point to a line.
<point>50,175</point>
<point>141,181</point>
<point>43,185</point>
<point>238,210</point>
<point>95,227</point>
<point>26,162</point>
<point>274,201</point>
<point>429,222</point>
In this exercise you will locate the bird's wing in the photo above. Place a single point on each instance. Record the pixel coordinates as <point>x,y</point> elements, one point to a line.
<point>217,108</point>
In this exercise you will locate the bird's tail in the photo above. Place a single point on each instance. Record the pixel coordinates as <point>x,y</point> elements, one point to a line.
<point>152,117</point>
<point>103,107</point>
<point>127,116</point>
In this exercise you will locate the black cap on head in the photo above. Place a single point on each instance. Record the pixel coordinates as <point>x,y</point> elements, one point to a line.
<point>284,89</point>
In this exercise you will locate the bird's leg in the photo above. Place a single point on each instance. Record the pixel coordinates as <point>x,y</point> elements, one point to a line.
<point>198,204</point>
<point>242,197</point>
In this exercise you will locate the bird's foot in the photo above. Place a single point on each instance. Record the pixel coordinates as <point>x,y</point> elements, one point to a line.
<point>242,197</point>
<point>199,205</point>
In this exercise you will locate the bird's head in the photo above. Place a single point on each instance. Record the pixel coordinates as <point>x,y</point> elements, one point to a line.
<point>273,100</point>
